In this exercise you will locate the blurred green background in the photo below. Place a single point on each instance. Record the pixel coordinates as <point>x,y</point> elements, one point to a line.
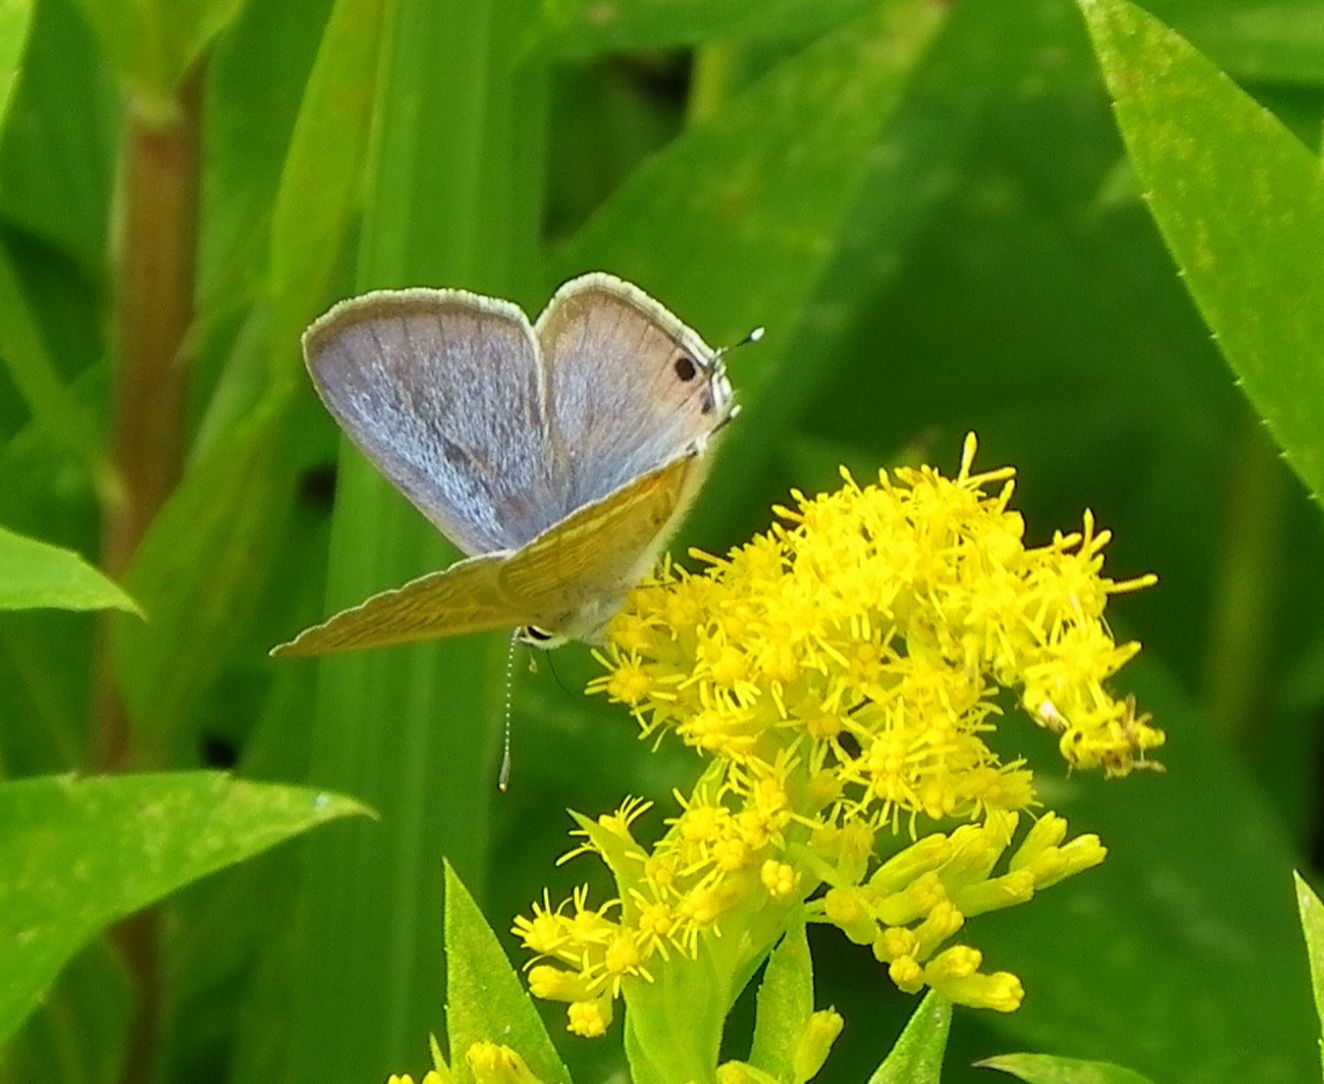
<point>929,207</point>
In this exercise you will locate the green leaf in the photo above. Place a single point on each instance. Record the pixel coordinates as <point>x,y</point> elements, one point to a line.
<point>93,998</point>
<point>485,998</point>
<point>1240,202</point>
<point>754,196</point>
<point>15,18</point>
<point>918,1054</point>
<point>36,574</point>
<point>1045,1069</point>
<point>1312,927</point>
<point>785,1004</point>
<point>578,28</point>
<point>152,44</point>
<point>76,855</point>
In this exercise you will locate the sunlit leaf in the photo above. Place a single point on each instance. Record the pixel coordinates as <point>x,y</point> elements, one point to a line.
<point>1046,1069</point>
<point>75,855</point>
<point>1312,926</point>
<point>36,574</point>
<point>1240,202</point>
<point>486,1001</point>
<point>785,1004</point>
<point>918,1054</point>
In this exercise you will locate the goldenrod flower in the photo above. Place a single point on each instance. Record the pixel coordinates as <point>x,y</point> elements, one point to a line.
<point>842,672</point>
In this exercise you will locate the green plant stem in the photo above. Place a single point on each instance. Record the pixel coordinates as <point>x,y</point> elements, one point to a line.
<point>155,270</point>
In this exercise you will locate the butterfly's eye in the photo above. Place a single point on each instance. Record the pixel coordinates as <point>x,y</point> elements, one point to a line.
<point>685,368</point>
<point>535,636</point>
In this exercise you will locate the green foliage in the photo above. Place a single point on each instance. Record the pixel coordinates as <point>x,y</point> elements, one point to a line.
<point>1312,926</point>
<point>918,1054</point>
<point>785,1002</point>
<point>943,228</point>
<point>79,854</point>
<point>36,574</point>
<point>486,999</point>
<point>1240,202</point>
<point>1045,1069</point>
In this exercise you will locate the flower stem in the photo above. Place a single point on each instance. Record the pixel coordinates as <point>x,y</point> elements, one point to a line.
<point>156,247</point>
<point>155,270</point>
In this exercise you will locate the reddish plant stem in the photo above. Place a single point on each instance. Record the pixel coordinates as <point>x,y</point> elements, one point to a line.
<point>155,271</point>
<point>156,256</point>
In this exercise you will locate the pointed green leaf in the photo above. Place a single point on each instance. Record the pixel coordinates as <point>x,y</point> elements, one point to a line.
<point>1045,1069</point>
<point>36,574</point>
<point>1240,202</point>
<point>485,999</point>
<point>918,1054</point>
<point>785,1004</point>
<point>1312,927</point>
<point>76,855</point>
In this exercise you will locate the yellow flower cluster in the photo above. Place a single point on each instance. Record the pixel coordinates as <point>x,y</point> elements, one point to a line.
<point>842,671</point>
<point>488,1063</point>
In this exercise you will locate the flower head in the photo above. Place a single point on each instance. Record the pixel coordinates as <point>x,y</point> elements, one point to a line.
<point>842,672</point>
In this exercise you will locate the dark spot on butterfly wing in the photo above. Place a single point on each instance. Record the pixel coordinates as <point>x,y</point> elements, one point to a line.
<point>685,368</point>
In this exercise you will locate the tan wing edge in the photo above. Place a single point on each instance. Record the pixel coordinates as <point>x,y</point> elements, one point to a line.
<point>467,597</point>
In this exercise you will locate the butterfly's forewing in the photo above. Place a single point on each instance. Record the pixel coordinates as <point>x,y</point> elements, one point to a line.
<point>631,388</point>
<point>443,391</point>
<point>467,597</point>
<point>568,580</point>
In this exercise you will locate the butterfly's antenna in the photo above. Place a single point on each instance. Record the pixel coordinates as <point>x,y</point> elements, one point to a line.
<point>503,774</point>
<point>754,335</point>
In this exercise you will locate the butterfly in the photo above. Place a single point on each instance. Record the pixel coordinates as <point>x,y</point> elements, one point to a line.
<point>559,456</point>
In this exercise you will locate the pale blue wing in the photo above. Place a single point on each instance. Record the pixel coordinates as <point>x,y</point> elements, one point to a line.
<point>444,392</point>
<point>631,388</point>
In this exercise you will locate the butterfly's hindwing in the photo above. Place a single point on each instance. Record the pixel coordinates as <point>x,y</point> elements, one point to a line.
<point>467,597</point>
